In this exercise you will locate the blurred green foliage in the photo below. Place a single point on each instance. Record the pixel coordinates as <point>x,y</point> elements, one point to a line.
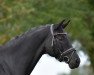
<point>17,16</point>
<point>91,3</point>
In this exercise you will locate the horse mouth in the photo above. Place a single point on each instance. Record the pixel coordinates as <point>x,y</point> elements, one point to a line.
<point>74,65</point>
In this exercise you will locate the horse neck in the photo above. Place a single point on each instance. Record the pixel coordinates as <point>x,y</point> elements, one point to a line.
<point>40,50</point>
<point>26,50</point>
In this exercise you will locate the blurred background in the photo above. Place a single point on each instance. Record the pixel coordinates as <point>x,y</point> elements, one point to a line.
<point>17,16</point>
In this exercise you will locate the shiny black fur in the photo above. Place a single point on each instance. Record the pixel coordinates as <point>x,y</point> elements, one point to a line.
<point>20,55</point>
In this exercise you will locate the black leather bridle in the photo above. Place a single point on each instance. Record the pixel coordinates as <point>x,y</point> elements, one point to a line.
<point>62,54</point>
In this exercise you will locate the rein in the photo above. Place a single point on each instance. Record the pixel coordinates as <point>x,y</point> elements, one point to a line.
<point>62,54</point>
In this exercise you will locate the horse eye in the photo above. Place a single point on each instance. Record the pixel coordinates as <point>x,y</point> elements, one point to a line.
<point>60,38</point>
<point>55,36</point>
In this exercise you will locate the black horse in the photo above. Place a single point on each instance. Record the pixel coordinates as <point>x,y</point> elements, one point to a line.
<point>20,55</point>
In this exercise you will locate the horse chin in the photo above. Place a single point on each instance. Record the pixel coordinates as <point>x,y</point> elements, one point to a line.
<point>74,65</point>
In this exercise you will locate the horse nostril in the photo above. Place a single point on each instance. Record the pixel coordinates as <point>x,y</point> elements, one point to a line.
<point>77,60</point>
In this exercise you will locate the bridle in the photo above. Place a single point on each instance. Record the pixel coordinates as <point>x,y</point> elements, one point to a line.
<point>62,54</point>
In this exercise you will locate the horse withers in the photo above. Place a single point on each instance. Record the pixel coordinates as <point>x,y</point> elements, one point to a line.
<point>20,55</point>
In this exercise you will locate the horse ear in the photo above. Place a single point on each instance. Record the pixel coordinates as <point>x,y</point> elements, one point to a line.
<point>65,24</point>
<point>62,25</point>
<point>59,26</point>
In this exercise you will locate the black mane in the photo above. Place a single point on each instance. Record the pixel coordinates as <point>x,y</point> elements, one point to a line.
<point>29,31</point>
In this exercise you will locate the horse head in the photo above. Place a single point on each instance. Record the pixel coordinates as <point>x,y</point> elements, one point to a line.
<point>59,46</point>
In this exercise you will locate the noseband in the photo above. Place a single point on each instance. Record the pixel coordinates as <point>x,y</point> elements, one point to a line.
<point>62,54</point>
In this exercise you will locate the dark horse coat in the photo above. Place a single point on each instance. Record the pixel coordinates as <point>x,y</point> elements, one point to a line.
<point>20,55</point>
